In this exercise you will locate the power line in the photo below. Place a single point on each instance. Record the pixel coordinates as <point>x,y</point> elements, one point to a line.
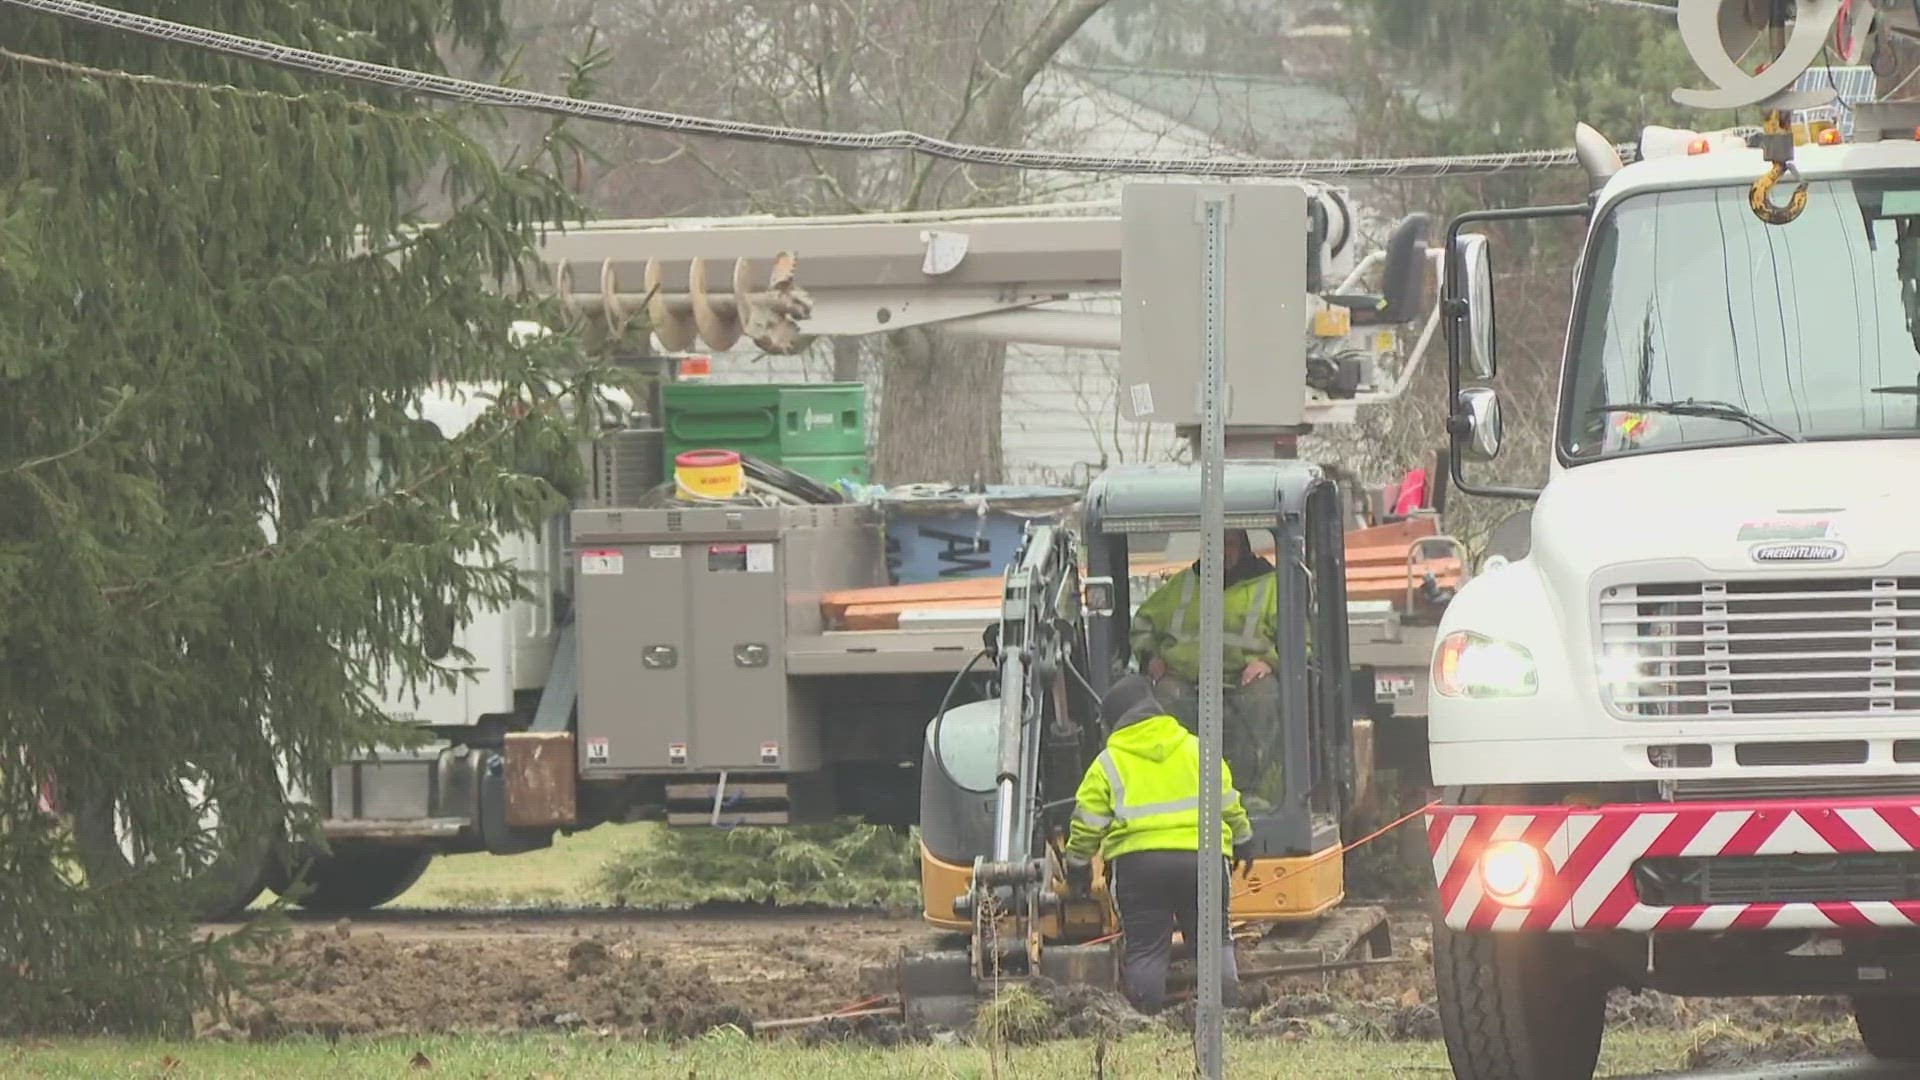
<point>476,93</point>
<point>1642,5</point>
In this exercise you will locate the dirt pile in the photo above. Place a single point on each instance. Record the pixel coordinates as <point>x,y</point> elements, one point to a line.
<point>1409,1017</point>
<point>325,984</point>
<point>678,979</point>
<point>1727,1044</point>
<point>1647,1009</point>
<point>1082,1011</point>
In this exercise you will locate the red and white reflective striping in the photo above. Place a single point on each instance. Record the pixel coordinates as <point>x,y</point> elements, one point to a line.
<point>1590,855</point>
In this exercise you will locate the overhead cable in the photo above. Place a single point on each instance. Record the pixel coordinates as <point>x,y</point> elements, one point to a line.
<point>476,93</point>
<point>1668,10</point>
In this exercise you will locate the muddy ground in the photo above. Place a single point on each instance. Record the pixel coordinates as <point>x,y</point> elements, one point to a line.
<point>640,979</point>
<point>682,978</point>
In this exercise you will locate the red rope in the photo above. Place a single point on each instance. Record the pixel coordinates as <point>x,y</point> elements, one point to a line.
<point>1362,842</point>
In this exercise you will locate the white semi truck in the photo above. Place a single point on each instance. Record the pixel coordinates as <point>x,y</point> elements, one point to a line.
<point>1679,741</point>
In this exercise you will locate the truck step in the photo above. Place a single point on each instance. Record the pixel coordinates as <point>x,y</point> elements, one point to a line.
<point>773,801</point>
<point>758,790</point>
<point>679,819</point>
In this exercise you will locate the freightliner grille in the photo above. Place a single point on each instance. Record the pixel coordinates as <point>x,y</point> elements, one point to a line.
<point>1804,647</point>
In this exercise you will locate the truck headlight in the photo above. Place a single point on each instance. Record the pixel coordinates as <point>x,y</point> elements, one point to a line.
<point>1472,665</point>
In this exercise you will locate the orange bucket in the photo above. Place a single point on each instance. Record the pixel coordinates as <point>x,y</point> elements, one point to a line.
<point>709,474</point>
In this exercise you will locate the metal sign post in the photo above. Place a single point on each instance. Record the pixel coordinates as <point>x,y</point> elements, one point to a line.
<point>1252,243</point>
<point>1214,211</point>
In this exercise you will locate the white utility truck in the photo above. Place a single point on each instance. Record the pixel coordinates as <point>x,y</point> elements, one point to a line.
<point>683,660</point>
<point>1679,741</point>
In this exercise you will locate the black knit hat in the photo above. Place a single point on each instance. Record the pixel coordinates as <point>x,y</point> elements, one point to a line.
<point>1131,697</point>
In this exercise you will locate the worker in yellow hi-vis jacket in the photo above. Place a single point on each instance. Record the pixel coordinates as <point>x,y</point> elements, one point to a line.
<point>1166,641</point>
<point>1139,807</point>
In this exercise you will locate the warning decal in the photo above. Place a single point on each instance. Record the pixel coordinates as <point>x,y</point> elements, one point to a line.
<point>1142,394</point>
<point>602,561</point>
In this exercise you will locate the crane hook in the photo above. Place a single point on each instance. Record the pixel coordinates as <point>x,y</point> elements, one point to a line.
<point>1776,140</point>
<point>1760,197</point>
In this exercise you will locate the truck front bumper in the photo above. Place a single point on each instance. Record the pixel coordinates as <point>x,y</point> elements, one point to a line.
<point>1679,867</point>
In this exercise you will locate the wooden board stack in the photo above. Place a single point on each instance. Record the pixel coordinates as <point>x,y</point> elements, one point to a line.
<point>1377,569</point>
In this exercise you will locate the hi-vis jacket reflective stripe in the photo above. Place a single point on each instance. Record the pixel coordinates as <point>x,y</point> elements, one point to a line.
<point>1168,625</point>
<point>1143,794</point>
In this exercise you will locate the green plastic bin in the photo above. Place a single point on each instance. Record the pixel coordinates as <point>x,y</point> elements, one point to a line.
<point>828,468</point>
<point>777,422</point>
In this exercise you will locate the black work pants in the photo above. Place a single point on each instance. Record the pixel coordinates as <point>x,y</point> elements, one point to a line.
<point>1154,891</point>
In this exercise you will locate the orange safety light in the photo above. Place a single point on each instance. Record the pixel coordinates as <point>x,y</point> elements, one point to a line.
<point>1828,137</point>
<point>1698,146</point>
<point>696,367</point>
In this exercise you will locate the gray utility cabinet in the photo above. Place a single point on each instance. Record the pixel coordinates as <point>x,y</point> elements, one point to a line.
<point>685,619</point>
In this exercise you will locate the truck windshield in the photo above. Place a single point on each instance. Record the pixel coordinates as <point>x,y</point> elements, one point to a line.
<point>1703,326</point>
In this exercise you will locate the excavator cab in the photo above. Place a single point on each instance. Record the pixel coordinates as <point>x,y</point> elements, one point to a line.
<point>1292,751</point>
<point>999,774</point>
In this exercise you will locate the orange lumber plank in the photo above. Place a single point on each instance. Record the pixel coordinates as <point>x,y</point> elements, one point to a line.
<point>1388,553</point>
<point>1437,567</point>
<point>1400,533</point>
<point>836,602</point>
<point>887,616</point>
<point>1374,555</point>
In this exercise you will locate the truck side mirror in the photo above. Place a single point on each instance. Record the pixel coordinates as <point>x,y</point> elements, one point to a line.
<point>1476,423</point>
<point>1470,304</point>
<point>1466,296</point>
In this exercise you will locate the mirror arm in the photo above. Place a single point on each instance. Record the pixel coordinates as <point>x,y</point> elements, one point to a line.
<point>1454,308</point>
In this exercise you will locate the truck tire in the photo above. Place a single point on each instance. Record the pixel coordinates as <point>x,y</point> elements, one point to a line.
<point>220,889</point>
<point>1887,1026</point>
<point>1513,1007</point>
<point>361,878</point>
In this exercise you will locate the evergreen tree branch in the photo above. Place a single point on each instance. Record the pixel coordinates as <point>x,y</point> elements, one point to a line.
<point>464,452</point>
<point>317,99</point>
<point>105,426</point>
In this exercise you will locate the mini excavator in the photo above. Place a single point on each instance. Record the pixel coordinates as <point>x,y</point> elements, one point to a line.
<point>999,774</point>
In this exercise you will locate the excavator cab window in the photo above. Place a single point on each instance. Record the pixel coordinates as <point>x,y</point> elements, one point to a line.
<point>1165,596</point>
<point>1287,729</point>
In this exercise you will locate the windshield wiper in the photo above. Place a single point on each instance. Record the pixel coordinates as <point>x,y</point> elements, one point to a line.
<point>1717,410</point>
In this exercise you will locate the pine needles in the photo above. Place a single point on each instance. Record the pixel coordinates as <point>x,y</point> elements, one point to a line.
<point>221,530</point>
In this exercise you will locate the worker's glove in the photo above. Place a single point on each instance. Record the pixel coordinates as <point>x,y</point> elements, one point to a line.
<point>1243,856</point>
<point>1079,877</point>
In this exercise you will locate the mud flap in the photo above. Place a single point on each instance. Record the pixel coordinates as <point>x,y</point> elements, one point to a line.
<point>497,836</point>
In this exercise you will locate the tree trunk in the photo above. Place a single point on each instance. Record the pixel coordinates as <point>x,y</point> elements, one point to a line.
<point>941,398</point>
<point>940,410</point>
<point>847,357</point>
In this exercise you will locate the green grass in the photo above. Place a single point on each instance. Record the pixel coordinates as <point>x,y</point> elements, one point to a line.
<point>565,874</point>
<point>646,866</point>
<point>730,1055</point>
